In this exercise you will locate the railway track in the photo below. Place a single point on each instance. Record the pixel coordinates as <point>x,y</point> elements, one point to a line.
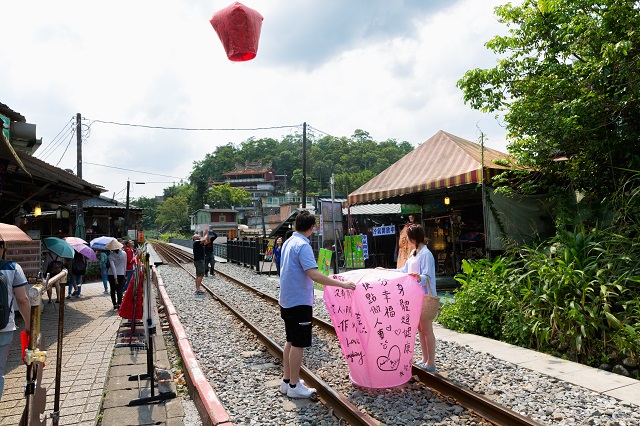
<point>346,411</point>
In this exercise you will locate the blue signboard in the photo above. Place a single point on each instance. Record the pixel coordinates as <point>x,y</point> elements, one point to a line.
<point>379,231</point>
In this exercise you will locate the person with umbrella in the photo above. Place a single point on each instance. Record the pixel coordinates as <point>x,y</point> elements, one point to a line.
<point>59,248</point>
<point>13,276</point>
<point>78,269</point>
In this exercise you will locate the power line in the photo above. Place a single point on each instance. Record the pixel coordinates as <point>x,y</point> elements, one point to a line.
<point>131,170</point>
<point>203,129</point>
<point>65,150</point>
<point>56,141</point>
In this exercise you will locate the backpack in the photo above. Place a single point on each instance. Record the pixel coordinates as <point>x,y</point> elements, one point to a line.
<point>79,266</point>
<point>5,300</point>
<point>54,268</point>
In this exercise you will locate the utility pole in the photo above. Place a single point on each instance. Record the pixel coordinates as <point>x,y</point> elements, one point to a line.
<point>304,165</point>
<point>79,209</point>
<point>485,212</point>
<point>336,269</point>
<point>126,211</point>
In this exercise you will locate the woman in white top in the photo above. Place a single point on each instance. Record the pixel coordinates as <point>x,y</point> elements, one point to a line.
<point>421,264</point>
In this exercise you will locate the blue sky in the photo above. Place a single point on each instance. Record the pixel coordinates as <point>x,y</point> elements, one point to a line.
<point>388,67</point>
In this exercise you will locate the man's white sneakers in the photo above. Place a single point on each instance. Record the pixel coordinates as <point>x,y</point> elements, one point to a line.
<point>300,391</point>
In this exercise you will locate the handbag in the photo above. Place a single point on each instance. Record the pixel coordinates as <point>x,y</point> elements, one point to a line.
<point>430,306</point>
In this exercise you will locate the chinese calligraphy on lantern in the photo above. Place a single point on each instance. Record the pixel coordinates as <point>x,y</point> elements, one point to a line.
<point>376,325</point>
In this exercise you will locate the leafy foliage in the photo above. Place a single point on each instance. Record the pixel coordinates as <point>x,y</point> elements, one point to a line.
<point>149,211</point>
<point>475,309</point>
<point>576,294</point>
<point>173,214</point>
<point>567,83</point>
<point>353,161</point>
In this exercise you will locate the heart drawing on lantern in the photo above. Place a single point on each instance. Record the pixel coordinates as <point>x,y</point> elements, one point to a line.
<point>391,361</point>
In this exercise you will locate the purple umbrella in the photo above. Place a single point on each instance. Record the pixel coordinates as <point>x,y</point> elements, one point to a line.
<point>86,251</point>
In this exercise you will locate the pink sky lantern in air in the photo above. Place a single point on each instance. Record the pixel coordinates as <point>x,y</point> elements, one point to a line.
<point>238,27</point>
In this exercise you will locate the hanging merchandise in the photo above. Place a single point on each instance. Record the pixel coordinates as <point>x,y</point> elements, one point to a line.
<point>238,27</point>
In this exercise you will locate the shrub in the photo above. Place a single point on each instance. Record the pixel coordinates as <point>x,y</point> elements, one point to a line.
<point>476,308</point>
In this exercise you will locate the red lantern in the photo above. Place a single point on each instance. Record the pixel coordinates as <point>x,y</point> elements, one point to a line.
<point>239,30</point>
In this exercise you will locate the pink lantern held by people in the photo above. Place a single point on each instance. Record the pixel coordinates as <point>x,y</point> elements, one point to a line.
<point>238,27</point>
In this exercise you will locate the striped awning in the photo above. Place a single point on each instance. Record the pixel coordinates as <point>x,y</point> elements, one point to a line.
<point>443,161</point>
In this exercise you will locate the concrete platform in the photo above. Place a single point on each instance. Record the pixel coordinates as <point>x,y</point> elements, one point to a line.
<point>94,372</point>
<point>615,385</point>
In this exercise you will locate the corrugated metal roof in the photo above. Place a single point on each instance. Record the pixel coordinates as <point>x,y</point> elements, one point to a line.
<point>443,161</point>
<point>373,209</point>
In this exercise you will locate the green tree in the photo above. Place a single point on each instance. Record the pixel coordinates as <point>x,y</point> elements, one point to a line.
<point>567,84</point>
<point>149,211</point>
<point>173,214</point>
<point>225,197</point>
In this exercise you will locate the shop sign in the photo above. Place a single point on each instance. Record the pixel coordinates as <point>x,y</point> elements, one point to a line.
<point>379,231</point>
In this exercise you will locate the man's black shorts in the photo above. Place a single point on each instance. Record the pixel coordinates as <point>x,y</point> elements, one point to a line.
<point>297,325</point>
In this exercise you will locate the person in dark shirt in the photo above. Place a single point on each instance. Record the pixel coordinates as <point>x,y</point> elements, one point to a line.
<point>198,259</point>
<point>209,258</point>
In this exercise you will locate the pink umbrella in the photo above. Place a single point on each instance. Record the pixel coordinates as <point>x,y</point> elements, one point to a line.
<point>12,233</point>
<point>75,240</point>
<point>86,251</point>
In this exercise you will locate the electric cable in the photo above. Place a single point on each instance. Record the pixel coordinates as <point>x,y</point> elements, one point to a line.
<point>65,150</point>
<point>203,129</point>
<point>56,141</point>
<point>131,170</point>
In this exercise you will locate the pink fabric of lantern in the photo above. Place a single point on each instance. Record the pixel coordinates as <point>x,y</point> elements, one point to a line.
<point>376,325</point>
<point>238,27</point>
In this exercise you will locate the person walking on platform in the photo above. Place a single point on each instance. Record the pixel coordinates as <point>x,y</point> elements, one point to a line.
<point>15,283</point>
<point>104,269</point>
<point>277,254</point>
<point>78,269</point>
<point>299,271</point>
<point>422,265</point>
<point>209,257</point>
<point>131,261</point>
<point>198,259</point>
<point>117,266</point>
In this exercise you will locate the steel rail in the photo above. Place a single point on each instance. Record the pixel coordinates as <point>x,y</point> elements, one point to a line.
<point>482,406</point>
<point>342,408</point>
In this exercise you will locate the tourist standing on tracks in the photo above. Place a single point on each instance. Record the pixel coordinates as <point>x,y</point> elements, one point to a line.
<point>198,259</point>
<point>117,269</point>
<point>422,265</point>
<point>131,261</point>
<point>299,271</point>
<point>277,253</point>
<point>209,257</point>
<point>15,282</point>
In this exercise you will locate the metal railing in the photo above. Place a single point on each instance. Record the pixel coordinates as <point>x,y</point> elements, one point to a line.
<point>245,252</point>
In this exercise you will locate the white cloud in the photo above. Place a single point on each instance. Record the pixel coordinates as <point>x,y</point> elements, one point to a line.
<point>389,68</point>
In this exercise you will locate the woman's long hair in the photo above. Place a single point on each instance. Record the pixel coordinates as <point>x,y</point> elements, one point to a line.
<point>416,233</point>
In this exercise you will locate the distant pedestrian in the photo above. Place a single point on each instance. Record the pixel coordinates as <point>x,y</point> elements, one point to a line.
<point>12,275</point>
<point>78,269</point>
<point>209,257</point>
<point>198,259</point>
<point>131,262</point>
<point>277,253</point>
<point>299,271</point>
<point>104,269</point>
<point>117,267</point>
